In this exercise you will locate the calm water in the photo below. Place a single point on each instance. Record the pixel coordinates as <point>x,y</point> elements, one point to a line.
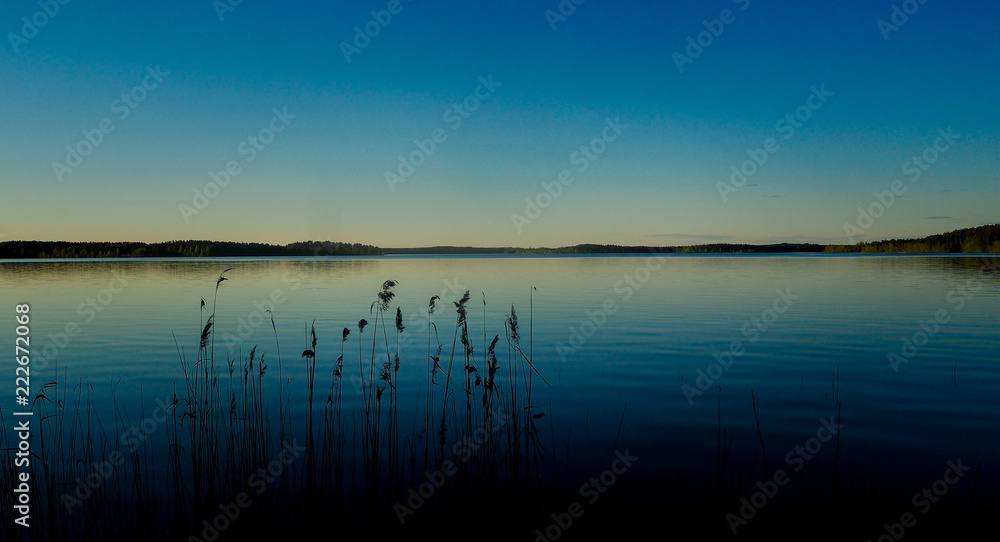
<point>609,334</point>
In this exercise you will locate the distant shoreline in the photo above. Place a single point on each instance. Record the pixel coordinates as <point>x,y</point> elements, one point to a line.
<point>980,240</point>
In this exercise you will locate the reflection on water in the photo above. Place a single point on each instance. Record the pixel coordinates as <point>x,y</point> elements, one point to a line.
<point>676,343</point>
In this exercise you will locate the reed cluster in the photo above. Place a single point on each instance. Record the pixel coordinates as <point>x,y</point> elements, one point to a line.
<point>226,432</point>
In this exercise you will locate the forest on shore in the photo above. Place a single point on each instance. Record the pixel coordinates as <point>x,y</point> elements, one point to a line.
<point>979,240</point>
<point>179,249</point>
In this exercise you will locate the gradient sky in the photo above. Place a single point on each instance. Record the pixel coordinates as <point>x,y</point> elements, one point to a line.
<point>323,176</point>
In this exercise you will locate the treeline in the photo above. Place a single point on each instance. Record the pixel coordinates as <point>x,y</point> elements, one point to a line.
<point>456,250</point>
<point>721,248</point>
<point>980,240</point>
<point>179,249</point>
<point>984,239</point>
<point>717,248</point>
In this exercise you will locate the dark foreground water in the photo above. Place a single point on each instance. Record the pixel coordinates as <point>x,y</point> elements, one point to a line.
<point>873,377</point>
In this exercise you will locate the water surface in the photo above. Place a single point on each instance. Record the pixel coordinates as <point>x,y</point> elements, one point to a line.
<point>636,350</point>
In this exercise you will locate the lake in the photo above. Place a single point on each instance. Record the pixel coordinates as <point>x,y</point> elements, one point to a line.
<point>865,377</point>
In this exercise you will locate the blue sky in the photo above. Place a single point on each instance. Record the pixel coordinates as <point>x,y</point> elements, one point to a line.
<point>555,84</point>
